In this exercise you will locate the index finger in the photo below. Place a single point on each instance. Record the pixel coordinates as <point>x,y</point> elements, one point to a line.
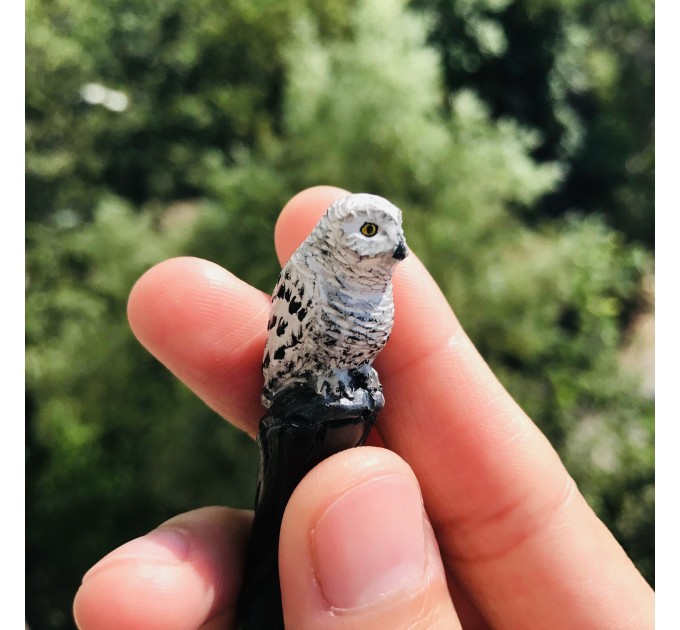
<point>512,527</point>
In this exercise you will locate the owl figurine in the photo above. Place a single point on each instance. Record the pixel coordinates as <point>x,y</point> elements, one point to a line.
<point>332,308</point>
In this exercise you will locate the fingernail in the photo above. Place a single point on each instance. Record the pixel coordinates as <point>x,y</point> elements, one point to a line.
<point>370,542</point>
<point>161,546</point>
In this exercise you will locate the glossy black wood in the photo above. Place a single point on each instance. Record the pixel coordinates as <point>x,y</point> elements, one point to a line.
<point>301,429</point>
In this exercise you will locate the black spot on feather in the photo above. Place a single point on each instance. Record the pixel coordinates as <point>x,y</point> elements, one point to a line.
<point>302,313</point>
<point>294,306</point>
<point>280,352</point>
<point>281,328</point>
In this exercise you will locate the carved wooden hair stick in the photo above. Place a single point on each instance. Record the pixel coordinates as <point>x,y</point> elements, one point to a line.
<point>332,313</point>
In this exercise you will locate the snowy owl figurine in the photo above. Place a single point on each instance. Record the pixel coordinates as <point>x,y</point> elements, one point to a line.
<point>332,308</point>
<point>332,313</point>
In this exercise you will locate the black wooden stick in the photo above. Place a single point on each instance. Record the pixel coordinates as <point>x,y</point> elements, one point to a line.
<point>300,430</point>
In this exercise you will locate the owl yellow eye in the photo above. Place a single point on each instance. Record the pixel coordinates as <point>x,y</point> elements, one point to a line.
<point>369,229</point>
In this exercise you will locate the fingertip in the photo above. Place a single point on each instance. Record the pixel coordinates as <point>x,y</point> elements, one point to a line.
<point>208,327</point>
<point>356,547</point>
<point>178,576</point>
<point>300,215</point>
<point>161,295</point>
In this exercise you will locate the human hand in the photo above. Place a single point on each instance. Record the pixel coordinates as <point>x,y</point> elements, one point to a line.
<point>505,539</point>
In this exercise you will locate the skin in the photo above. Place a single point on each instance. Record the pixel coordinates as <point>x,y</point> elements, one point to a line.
<point>459,514</point>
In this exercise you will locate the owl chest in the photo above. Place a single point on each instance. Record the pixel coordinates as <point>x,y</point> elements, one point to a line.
<point>353,329</point>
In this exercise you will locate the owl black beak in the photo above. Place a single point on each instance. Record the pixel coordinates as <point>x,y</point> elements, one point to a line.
<point>401,251</point>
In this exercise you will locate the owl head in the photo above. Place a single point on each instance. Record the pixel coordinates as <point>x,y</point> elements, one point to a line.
<point>367,228</point>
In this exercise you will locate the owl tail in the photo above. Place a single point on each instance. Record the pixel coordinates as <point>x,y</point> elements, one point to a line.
<point>301,429</point>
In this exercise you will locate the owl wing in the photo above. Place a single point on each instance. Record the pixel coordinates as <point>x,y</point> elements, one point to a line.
<point>286,355</point>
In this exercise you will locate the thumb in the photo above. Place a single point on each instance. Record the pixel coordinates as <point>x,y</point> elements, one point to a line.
<point>357,550</point>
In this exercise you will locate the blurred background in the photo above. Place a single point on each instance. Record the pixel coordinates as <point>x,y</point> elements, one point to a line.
<point>516,135</point>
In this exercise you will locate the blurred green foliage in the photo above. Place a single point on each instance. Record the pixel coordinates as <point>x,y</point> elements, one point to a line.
<point>516,136</point>
<point>583,73</point>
